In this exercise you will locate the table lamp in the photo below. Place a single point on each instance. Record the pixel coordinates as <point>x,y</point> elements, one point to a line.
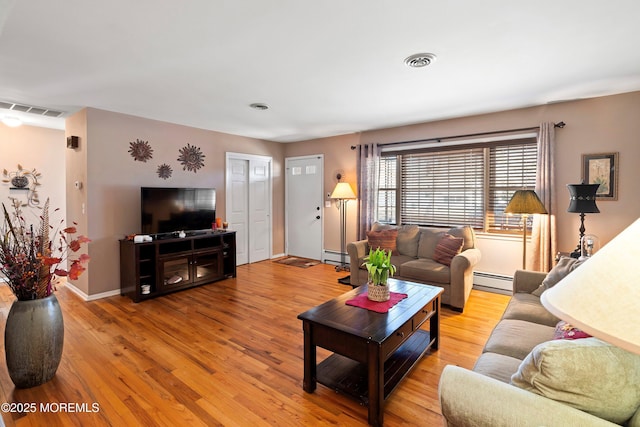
<point>602,295</point>
<point>342,194</point>
<point>582,200</point>
<point>525,203</point>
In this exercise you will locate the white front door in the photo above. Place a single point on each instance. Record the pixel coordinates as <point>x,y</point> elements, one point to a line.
<point>304,206</point>
<point>248,205</point>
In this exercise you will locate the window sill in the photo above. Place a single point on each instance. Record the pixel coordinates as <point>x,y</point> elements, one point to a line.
<point>501,237</point>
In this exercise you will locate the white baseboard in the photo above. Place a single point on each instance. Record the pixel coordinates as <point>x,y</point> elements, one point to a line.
<point>494,281</point>
<point>86,297</point>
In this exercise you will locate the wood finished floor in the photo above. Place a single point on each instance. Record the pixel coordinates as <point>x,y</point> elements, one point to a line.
<point>228,353</point>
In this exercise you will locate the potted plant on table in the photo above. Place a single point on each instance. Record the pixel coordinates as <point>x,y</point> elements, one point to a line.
<point>379,267</point>
<point>32,263</point>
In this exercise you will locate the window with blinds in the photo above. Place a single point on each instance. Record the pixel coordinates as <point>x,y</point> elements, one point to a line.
<point>456,186</point>
<point>387,190</point>
<point>440,189</point>
<point>511,168</point>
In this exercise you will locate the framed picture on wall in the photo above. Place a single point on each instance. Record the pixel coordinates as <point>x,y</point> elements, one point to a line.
<point>601,169</point>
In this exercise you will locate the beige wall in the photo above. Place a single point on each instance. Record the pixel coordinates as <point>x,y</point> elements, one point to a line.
<point>42,149</point>
<point>597,125</point>
<point>77,202</point>
<point>113,179</point>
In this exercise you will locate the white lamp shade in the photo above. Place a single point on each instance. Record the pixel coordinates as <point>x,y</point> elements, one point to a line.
<point>602,295</point>
<point>343,190</point>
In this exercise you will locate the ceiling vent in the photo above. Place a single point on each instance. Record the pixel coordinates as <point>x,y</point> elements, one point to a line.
<point>259,106</point>
<point>419,60</point>
<point>40,111</point>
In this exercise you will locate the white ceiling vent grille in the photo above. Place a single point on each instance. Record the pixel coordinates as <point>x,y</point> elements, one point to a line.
<point>40,111</point>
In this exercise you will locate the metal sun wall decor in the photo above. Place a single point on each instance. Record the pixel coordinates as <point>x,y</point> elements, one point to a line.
<point>24,179</point>
<point>191,158</point>
<point>140,150</point>
<point>164,171</point>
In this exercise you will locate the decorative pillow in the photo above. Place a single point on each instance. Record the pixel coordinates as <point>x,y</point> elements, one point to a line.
<point>565,266</point>
<point>587,374</point>
<point>407,240</point>
<point>565,331</point>
<point>467,234</point>
<point>447,247</point>
<point>384,239</point>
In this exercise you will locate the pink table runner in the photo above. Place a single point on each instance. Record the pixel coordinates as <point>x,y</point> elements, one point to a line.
<point>363,301</point>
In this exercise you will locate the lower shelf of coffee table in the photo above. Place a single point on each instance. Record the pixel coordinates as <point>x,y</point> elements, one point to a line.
<point>349,377</point>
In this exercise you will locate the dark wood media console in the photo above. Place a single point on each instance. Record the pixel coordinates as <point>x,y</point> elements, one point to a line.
<point>172,264</point>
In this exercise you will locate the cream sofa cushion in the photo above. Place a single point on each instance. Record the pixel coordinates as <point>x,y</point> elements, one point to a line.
<point>516,338</point>
<point>425,270</point>
<point>429,239</point>
<point>588,374</point>
<point>527,307</point>
<point>407,240</point>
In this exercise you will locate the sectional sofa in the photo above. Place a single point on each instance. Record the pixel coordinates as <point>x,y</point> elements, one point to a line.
<point>536,370</point>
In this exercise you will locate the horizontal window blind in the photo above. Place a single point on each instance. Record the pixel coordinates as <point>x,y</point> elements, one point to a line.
<point>465,184</point>
<point>443,189</point>
<point>387,190</point>
<point>512,167</point>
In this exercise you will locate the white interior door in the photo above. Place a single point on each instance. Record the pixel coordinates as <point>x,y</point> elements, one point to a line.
<point>237,204</point>
<point>248,197</point>
<point>259,210</point>
<point>304,206</point>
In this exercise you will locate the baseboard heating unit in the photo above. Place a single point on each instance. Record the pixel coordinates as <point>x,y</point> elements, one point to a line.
<point>333,257</point>
<point>493,282</point>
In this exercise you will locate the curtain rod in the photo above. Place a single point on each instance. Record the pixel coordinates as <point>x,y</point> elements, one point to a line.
<point>469,135</point>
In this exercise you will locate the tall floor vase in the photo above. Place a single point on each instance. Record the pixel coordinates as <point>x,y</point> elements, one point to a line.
<point>33,340</point>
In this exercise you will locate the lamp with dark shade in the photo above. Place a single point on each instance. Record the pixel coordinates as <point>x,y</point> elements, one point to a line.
<point>582,200</point>
<point>525,203</point>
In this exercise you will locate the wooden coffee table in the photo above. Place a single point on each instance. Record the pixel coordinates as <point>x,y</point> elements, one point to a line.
<point>373,352</point>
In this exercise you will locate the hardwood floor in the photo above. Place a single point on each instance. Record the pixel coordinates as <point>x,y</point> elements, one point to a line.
<point>229,353</point>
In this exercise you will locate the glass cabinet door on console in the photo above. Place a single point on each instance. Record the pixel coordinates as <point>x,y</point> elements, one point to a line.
<point>175,272</point>
<point>207,266</point>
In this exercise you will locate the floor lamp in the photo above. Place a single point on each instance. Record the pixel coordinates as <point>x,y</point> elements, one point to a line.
<point>525,203</point>
<point>342,194</point>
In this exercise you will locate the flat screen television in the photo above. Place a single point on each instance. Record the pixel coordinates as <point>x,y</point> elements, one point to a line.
<point>168,210</point>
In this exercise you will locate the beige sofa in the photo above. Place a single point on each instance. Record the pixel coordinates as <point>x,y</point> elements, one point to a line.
<point>414,260</point>
<point>525,377</point>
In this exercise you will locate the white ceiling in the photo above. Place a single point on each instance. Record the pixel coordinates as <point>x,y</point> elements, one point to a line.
<point>325,67</point>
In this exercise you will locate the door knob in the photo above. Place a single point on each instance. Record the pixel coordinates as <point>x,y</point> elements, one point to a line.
<point>318,217</point>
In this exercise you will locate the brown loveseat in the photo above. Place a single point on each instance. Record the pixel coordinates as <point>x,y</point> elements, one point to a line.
<point>418,258</point>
